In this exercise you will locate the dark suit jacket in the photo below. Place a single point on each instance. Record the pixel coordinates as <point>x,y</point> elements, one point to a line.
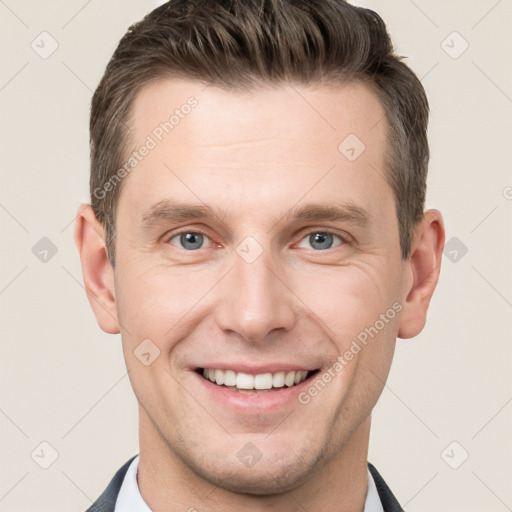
<point>107,501</point>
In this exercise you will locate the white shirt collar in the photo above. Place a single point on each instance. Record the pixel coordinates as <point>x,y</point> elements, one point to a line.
<point>130,498</point>
<point>372,503</point>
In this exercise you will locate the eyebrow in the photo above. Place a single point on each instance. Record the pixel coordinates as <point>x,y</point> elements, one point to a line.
<point>169,211</point>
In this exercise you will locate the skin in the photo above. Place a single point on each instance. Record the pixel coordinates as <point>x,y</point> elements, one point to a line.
<point>255,155</point>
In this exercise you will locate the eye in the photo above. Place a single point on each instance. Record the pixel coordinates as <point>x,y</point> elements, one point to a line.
<point>319,240</point>
<point>322,240</point>
<point>189,240</point>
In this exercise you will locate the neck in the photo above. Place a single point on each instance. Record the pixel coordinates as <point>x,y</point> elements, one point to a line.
<point>167,484</point>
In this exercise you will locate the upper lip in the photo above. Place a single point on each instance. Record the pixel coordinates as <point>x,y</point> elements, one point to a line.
<point>257,369</point>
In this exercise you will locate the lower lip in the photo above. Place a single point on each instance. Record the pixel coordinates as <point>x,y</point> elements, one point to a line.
<point>250,402</point>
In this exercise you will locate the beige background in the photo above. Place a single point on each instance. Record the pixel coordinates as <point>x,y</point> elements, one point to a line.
<point>63,381</point>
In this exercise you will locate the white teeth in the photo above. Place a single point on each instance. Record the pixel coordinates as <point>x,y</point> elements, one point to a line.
<point>263,381</point>
<point>229,378</point>
<point>278,380</point>
<point>219,377</point>
<point>289,380</point>
<point>300,376</point>
<point>246,381</point>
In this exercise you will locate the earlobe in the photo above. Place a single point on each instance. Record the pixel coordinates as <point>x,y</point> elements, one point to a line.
<point>422,268</point>
<point>97,272</point>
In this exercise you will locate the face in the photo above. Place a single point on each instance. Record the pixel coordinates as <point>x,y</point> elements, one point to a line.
<point>231,264</point>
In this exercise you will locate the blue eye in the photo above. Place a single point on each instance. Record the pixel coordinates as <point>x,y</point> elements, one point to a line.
<point>190,240</point>
<point>319,240</point>
<point>322,240</point>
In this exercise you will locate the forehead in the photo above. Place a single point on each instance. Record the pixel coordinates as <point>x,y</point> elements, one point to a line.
<point>273,111</point>
<point>269,145</point>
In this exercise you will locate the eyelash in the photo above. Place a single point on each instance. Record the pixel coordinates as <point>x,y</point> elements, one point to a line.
<point>344,238</point>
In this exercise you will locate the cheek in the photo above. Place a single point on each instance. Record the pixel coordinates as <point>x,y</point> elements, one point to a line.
<point>151,302</point>
<point>350,299</point>
<point>153,311</point>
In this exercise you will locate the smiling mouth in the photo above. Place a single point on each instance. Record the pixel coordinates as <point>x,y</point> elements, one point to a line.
<point>252,384</point>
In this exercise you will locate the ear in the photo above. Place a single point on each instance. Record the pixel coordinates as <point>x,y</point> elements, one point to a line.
<point>97,271</point>
<point>422,273</point>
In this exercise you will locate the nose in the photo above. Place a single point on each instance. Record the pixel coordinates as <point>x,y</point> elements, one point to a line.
<point>255,299</point>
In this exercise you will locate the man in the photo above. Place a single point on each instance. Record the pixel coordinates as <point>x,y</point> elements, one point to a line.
<point>257,235</point>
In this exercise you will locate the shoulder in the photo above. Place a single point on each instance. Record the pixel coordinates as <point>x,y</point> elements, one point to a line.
<point>389,502</point>
<point>107,501</point>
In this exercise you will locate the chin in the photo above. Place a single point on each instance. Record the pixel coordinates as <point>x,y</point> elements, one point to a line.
<point>267,477</point>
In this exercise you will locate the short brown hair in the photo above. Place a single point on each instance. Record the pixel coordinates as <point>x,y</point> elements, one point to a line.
<point>241,43</point>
